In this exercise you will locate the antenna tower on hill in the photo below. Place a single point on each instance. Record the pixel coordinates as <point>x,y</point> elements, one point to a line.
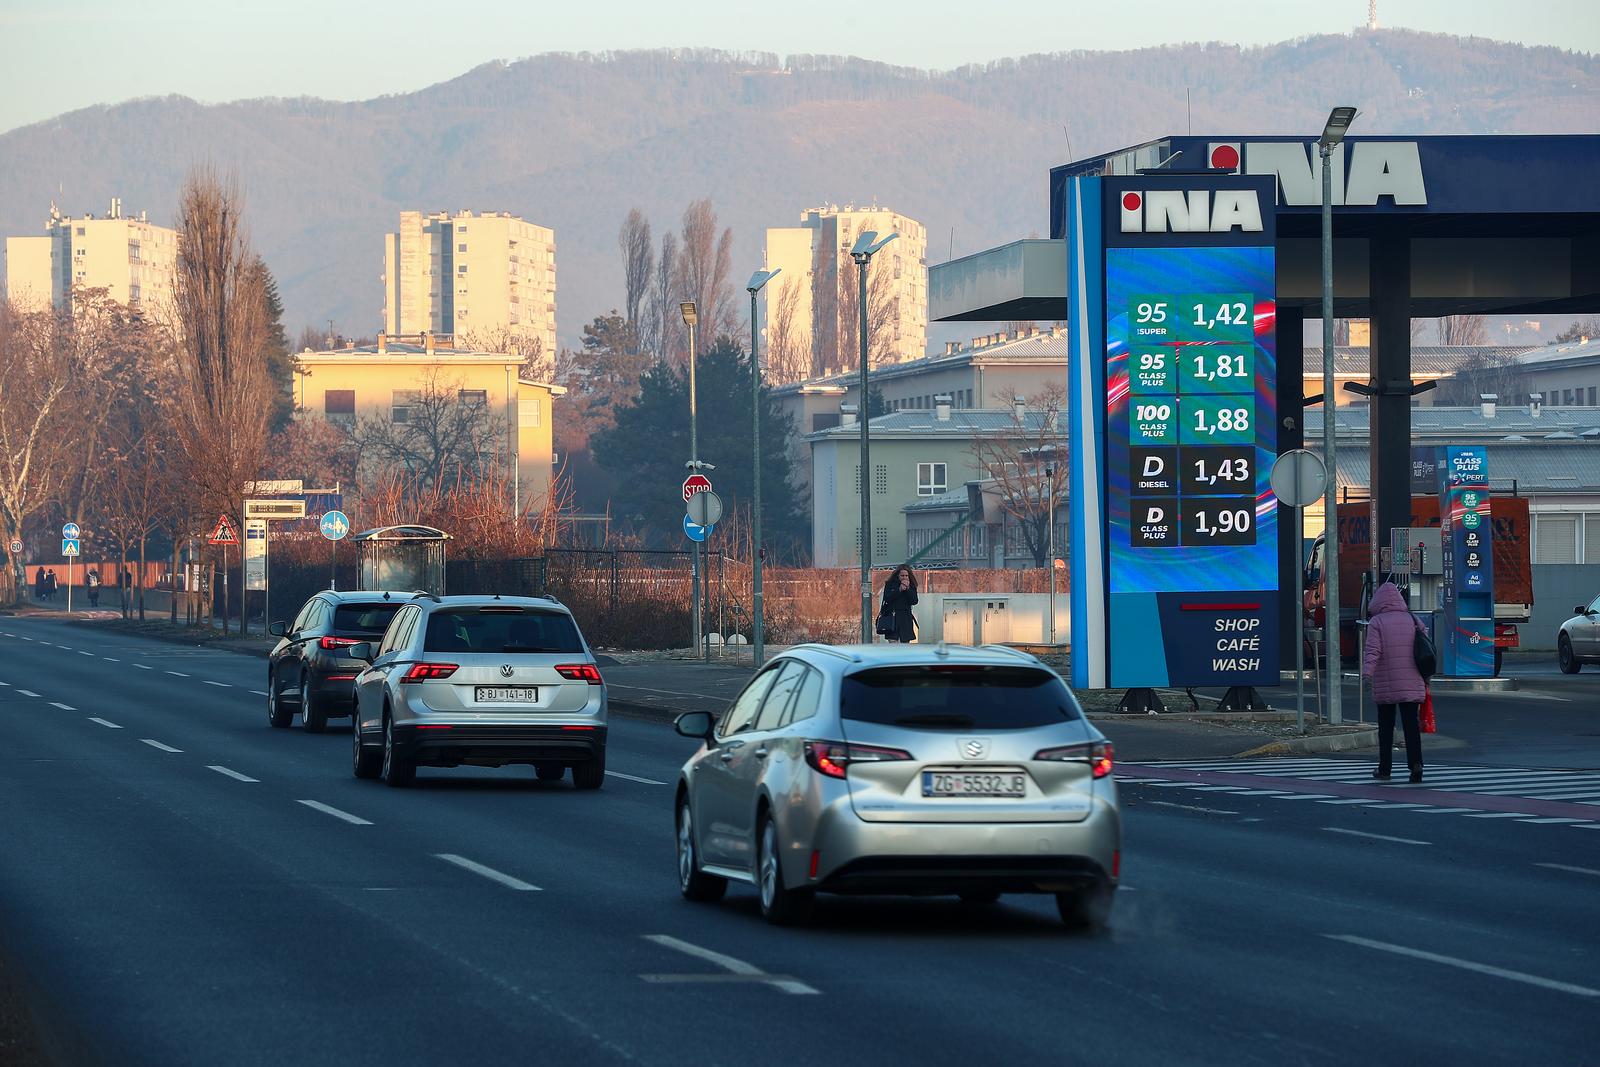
<point>1372,14</point>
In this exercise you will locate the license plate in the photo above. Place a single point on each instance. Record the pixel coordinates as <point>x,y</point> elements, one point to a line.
<point>974,784</point>
<point>507,694</point>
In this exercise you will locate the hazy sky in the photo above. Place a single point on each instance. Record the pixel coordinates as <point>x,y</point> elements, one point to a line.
<point>58,55</point>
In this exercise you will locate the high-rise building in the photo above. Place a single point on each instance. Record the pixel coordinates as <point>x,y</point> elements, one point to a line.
<point>132,258</point>
<point>811,308</point>
<point>489,278</point>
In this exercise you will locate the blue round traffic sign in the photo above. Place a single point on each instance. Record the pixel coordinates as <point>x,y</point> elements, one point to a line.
<point>334,525</point>
<point>694,531</point>
<point>70,530</point>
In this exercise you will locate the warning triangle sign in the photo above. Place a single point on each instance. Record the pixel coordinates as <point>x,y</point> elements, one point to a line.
<point>224,533</point>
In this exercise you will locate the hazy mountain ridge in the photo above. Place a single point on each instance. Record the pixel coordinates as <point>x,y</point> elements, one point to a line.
<point>574,141</point>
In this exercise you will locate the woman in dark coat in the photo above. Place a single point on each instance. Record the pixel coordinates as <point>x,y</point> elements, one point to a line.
<point>899,594</point>
<point>1397,686</point>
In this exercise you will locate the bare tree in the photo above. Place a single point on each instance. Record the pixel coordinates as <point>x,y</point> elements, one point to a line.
<point>537,363</point>
<point>788,356</point>
<point>662,323</point>
<point>1484,372</point>
<point>1463,330</point>
<point>634,239</point>
<point>882,310</point>
<point>1027,464</point>
<point>704,267</point>
<point>440,436</point>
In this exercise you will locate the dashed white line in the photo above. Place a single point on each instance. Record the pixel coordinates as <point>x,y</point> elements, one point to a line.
<point>1497,815</point>
<point>63,707</point>
<point>176,674</point>
<point>1444,811</point>
<point>219,685</point>
<point>231,774</point>
<point>81,652</point>
<point>153,743</point>
<point>1348,800</point>
<point>633,778</point>
<point>738,967</point>
<point>104,722</point>
<point>111,659</point>
<point>259,692</point>
<point>487,872</point>
<point>1468,965</point>
<point>354,820</point>
<point>1191,807</point>
<point>1568,867</point>
<point>27,692</point>
<point>1376,837</point>
<point>142,667</point>
<point>1551,822</point>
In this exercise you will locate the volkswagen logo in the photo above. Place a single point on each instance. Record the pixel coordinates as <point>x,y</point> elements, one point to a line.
<point>974,748</point>
<point>505,670</point>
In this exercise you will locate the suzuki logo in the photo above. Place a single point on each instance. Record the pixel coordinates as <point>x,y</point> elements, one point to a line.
<point>1194,211</point>
<point>1376,169</point>
<point>505,670</point>
<point>974,748</point>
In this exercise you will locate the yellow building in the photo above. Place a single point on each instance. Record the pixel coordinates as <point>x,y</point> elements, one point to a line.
<point>132,258</point>
<point>398,382</point>
<point>488,277</point>
<point>815,260</point>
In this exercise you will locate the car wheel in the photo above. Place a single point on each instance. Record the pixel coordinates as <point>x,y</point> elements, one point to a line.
<point>278,716</point>
<point>590,774</point>
<point>398,770</point>
<point>313,717</point>
<point>1088,908</point>
<point>1570,664</point>
<point>696,884</point>
<point>980,898</point>
<point>549,772</point>
<point>365,760</point>
<point>780,905</point>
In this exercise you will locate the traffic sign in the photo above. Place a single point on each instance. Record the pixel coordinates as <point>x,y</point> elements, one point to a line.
<point>224,534</point>
<point>694,531</point>
<point>69,546</point>
<point>71,530</point>
<point>275,509</point>
<point>1298,478</point>
<point>334,525</point>
<point>705,508</point>
<point>695,483</point>
<point>16,546</point>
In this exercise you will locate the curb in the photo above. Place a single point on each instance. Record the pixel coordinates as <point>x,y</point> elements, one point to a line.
<point>1361,737</point>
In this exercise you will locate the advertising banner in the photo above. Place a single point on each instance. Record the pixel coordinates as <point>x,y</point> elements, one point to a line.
<point>1466,638</point>
<point>255,554</point>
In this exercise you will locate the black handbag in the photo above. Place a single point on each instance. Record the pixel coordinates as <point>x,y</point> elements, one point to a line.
<point>1422,652</point>
<point>886,625</point>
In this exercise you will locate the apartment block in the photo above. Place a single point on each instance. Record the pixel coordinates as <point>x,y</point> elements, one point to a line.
<point>132,258</point>
<point>488,277</point>
<point>811,307</point>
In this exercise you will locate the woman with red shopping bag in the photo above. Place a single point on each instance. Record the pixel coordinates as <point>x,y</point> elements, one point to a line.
<point>1398,686</point>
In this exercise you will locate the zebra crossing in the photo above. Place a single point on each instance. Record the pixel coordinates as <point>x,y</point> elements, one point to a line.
<point>1496,785</point>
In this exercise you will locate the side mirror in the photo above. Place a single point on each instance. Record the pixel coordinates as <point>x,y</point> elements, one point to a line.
<point>362,651</point>
<point>695,724</point>
<point>278,629</point>
<point>1313,576</point>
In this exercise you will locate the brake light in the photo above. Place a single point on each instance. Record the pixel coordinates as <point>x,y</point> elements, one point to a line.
<point>332,643</point>
<point>1098,754</point>
<point>580,672</point>
<point>833,758</point>
<point>428,672</point>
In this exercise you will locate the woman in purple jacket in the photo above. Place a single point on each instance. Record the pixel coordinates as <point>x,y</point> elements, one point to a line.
<point>1391,666</point>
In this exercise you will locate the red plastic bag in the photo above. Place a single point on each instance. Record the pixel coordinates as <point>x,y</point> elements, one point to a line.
<point>1425,713</point>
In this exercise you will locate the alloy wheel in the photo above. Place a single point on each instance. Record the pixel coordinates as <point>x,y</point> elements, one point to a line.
<point>769,864</point>
<point>685,846</point>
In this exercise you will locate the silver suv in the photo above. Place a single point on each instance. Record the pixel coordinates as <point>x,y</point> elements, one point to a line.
<point>900,769</point>
<point>484,681</point>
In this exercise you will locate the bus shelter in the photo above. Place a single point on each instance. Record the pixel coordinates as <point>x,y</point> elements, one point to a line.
<point>402,557</point>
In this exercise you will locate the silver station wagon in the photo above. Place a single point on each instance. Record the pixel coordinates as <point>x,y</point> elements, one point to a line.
<point>900,769</point>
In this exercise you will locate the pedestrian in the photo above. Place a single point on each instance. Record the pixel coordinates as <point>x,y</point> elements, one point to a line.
<point>38,584</point>
<point>93,583</point>
<point>1397,685</point>
<point>899,594</point>
<point>50,584</point>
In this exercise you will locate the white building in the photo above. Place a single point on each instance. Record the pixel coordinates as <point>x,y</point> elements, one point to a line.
<point>133,259</point>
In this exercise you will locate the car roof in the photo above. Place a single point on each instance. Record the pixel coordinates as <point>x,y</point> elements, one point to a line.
<point>473,600</point>
<point>851,658</point>
<point>364,596</point>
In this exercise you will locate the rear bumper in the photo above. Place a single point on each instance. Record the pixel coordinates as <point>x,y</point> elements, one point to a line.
<point>494,745</point>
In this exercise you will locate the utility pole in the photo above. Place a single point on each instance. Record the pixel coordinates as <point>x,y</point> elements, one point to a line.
<point>757,623</point>
<point>866,246</point>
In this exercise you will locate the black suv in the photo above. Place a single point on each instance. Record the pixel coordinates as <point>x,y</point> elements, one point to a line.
<point>310,669</point>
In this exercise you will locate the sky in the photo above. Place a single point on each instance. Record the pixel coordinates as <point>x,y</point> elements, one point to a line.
<point>60,55</point>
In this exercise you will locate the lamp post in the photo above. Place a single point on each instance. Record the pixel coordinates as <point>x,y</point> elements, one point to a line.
<point>757,280</point>
<point>867,245</point>
<point>1332,134</point>
<point>690,318</point>
<point>1050,477</point>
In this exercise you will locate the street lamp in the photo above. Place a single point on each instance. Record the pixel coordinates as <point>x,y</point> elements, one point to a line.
<point>757,280</point>
<point>867,245</point>
<point>1339,120</point>
<point>690,317</point>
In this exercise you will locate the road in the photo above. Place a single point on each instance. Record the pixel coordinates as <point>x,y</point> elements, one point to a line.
<point>180,884</point>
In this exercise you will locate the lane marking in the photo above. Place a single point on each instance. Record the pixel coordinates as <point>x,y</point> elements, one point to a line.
<point>27,692</point>
<point>633,778</point>
<point>259,692</point>
<point>111,659</point>
<point>142,667</point>
<point>1190,807</point>
<point>1376,837</point>
<point>231,774</point>
<point>1444,811</point>
<point>220,685</point>
<point>176,674</point>
<point>1349,800</point>
<point>81,652</point>
<point>1497,815</point>
<point>1568,867</point>
<point>153,743</point>
<point>105,722</point>
<point>354,820</point>
<point>487,872</point>
<point>63,707</point>
<point>1468,965</point>
<point>745,971</point>
<point>1551,821</point>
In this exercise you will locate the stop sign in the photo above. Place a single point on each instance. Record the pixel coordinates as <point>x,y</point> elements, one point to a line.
<point>695,483</point>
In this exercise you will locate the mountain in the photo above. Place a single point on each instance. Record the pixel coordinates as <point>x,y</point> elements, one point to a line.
<point>574,141</point>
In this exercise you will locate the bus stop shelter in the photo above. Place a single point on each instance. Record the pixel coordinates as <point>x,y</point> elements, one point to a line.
<point>403,558</point>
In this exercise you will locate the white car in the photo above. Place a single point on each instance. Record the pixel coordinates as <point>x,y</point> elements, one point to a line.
<point>1578,641</point>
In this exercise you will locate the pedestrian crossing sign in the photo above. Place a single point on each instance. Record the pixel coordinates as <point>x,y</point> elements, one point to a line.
<point>224,534</point>
<point>69,546</point>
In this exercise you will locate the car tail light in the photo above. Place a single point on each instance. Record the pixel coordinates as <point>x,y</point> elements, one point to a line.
<point>580,672</point>
<point>428,672</point>
<point>1098,754</point>
<point>333,643</point>
<point>833,758</point>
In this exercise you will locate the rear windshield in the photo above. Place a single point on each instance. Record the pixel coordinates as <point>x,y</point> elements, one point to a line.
<point>368,619</point>
<point>958,697</point>
<point>473,630</point>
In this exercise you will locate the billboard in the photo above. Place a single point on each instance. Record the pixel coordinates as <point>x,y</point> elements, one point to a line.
<point>1174,380</point>
<point>1466,638</point>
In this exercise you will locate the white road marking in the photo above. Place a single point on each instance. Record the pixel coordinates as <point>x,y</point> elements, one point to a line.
<point>219,685</point>
<point>81,652</point>
<point>1468,965</point>
<point>487,872</point>
<point>6,684</point>
<point>1567,867</point>
<point>1498,815</point>
<point>633,778</point>
<point>354,820</point>
<point>1393,807</point>
<point>231,774</point>
<point>1551,822</point>
<point>63,707</point>
<point>153,743</point>
<point>731,965</point>
<point>259,692</point>
<point>1191,807</point>
<point>1376,837</point>
<point>1443,811</point>
<point>111,659</point>
<point>68,648</point>
<point>27,692</point>
<point>142,667</point>
<point>104,722</point>
<point>1348,800</point>
<point>176,674</point>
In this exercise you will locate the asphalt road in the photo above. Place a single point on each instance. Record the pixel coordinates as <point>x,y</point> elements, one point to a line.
<point>180,884</point>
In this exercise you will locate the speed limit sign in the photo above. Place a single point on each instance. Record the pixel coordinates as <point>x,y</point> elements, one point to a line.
<point>16,546</point>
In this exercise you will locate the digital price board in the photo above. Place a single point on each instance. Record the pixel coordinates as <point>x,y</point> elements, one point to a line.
<point>1173,361</point>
